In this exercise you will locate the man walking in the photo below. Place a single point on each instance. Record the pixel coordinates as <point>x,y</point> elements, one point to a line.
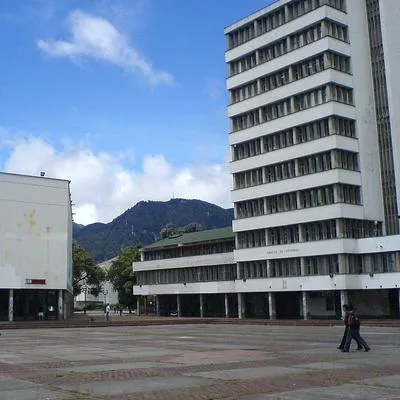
<point>346,329</point>
<point>354,332</point>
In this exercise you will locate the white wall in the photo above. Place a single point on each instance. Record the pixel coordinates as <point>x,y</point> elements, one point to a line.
<point>185,262</point>
<point>35,232</point>
<point>390,11</point>
<point>285,284</point>
<point>365,110</point>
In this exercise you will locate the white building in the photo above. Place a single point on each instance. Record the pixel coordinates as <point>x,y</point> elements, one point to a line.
<point>35,247</point>
<point>106,295</point>
<point>192,274</point>
<point>314,91</point>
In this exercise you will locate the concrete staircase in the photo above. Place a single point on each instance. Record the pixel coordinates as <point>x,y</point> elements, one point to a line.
<point>88,321</point>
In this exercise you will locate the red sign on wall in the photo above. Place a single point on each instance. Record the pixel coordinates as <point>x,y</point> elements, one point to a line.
<point>35,281</point>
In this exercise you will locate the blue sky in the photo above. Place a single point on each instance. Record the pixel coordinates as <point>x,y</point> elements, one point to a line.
<point>124,97</point>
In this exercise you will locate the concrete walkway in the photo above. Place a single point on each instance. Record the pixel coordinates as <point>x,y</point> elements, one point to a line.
<point>204,362</point>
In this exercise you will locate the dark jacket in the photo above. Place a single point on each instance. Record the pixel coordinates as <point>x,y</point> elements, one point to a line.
<point>353,321</point>
<point>346,318</point>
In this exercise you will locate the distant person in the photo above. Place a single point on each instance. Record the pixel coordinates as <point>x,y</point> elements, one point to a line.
<point>108,312</point>
<point>41,313</point>
<point>354,332</point>
<point>346,329</point>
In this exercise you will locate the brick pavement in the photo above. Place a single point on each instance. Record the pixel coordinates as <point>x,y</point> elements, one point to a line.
<point>204,362</point>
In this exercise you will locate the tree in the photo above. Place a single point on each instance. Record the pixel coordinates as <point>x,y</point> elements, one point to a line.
<point>84,270</point>
<point>168,231</point>
<point>122,277</point>
<point>193,227</point>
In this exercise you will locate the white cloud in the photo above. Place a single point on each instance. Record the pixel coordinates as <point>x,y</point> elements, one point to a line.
<point>102,188</point>
<point>96,37</point>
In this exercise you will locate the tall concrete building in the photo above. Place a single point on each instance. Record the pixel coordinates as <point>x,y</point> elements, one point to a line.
<point>314,94</point>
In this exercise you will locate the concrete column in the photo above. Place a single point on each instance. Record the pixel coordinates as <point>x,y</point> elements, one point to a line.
<point>60,304</point>
<point>261,115</point>
<point>339,229</point>
<point>259,88</point>
<point>333,159</point>
<point>264,175</point>
<point>344,299</point>
<point>343,267</point>
<point>298,200</point>
<point>327,64</point>
<point>287,16</point>
<point>241,306</point>
<point>336,194</point>
<point>158,306</point>
<point>296,168</point>
<point>178,305</point>
<point>306,305</point>
<point>301,233</point>
<point>288,44</point>
<point>303,266</point>
<point>294,136</point>
<point>271,305</point>
<point>11,306</point>
<point>226,305</point>
<point>138,305</point>
<point>269,269</point>
<point>256,30</point>
<point>238,274</point>
<point>201,306</point>
<point>262,149</point>
<point>66,316</point>
<point>324,30</point>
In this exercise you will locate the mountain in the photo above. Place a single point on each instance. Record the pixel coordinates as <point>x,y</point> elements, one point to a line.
<point>142,224</point>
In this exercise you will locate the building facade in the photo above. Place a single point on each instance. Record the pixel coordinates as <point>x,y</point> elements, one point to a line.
<point>192,274</point>
<point>313,90</point>
<point>35,248</point>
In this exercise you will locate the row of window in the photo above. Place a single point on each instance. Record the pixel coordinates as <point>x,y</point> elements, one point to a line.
<point>290,74</point>
<point>315,197</point>
<point>293,104</point>
<point>278,17</point>
<point>299,134</point>
<point>320,265</point>
<point>295,168</point>
<point>373,263</point>
<point>290,43</point>
<point>187,275</point>
<point>286,267</point>
<point>190,250</point>
<point>309,232</point>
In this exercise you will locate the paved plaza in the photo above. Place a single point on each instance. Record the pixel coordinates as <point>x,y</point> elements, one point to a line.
<point>204,362</point>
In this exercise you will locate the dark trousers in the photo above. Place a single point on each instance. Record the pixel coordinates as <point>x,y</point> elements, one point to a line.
<point>344,337</point>
<point>355,334</point>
